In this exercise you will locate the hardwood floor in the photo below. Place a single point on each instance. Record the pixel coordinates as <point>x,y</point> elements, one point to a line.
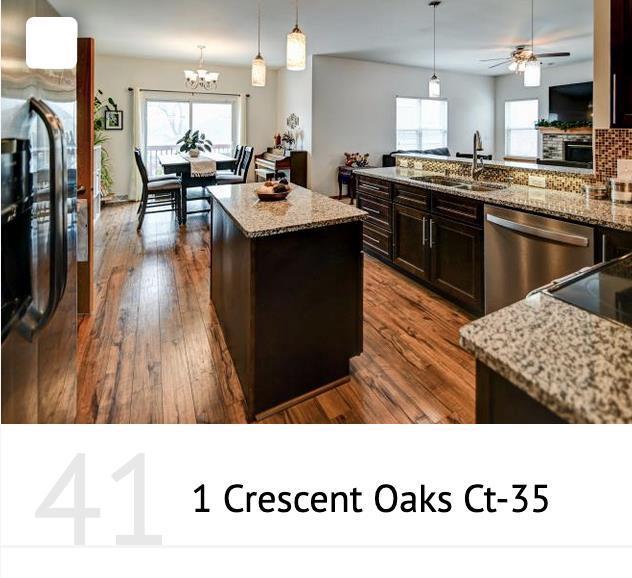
<point>153,352</point>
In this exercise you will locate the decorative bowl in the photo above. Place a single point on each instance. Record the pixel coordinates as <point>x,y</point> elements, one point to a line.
<point>267,192</point>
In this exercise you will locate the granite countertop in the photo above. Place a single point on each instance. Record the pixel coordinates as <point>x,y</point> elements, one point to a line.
<point>565,205</point>
<point>504,164</point>
<point>576,364</point>
<point>303,209</point>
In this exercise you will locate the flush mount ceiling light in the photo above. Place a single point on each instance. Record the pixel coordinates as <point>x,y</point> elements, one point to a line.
<point>201,78</point>
<point>434,85</point>
<point>258,64</point>
<point>51,43</point>
<point>296,47</point>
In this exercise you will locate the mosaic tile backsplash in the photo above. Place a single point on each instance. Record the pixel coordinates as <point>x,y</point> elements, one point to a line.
<point>611,145</point>
<point>566,181</point>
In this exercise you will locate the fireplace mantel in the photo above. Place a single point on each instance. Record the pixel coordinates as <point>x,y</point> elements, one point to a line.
<point>551,130</point>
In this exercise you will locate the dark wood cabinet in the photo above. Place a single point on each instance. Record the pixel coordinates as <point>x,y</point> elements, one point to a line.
<point>456,251</point>
<point>615,244</point>
<point>621,49</point>
<point>410,240</point>
<point>434,237</point>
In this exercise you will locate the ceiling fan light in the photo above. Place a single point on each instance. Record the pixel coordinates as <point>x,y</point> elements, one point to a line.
<point>258,71</point>
<point>513,66</point>
<point>533,73</point>
<point>434,87</point>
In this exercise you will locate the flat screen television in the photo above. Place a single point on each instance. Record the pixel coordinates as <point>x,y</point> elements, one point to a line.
<point>571,102</point>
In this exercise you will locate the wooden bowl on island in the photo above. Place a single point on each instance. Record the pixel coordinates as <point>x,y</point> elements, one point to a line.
<point>274,191</point>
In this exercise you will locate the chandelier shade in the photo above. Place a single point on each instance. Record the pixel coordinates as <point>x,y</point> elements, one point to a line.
<point>201,78</point>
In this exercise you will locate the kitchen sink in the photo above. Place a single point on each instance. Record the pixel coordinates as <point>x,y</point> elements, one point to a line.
<point>480,187</point>
<point>460,184</point>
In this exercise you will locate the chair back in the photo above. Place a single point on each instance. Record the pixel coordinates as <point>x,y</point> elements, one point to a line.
<point>239,154</point>
<point>246,159</point>
<point>141,166</point>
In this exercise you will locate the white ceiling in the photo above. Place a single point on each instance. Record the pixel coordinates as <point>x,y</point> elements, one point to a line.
<point>393,31</point>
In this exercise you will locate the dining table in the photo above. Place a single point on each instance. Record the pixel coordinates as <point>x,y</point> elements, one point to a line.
<point>180,164</point>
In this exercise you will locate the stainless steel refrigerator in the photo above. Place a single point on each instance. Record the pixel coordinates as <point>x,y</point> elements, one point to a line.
<point>39,293</point>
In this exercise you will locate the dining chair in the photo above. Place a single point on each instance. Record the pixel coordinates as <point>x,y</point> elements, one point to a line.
<point>241,176</point>
<point>237,156</point>
<point>157,192</point>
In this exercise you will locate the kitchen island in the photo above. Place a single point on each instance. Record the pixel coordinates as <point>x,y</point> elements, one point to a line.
<point>287,287</point>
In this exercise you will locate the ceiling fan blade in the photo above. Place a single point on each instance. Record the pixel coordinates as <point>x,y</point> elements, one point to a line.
<point>552,54</point>
<point>493,59</point>
<point>500,64</point>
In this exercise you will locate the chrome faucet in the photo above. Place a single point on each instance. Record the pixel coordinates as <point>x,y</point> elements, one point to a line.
<point>476,160</point>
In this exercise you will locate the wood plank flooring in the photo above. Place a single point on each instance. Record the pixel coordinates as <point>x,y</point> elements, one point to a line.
<point>153,351</point>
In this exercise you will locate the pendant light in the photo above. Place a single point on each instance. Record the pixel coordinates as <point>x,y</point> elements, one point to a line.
<point>296,47</point>
<point>258,63</point>
<point>533,68</point>
<point>434,86</point>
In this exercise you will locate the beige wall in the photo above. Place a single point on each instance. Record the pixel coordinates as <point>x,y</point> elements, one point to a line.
<point>294,95</point>
<point>115,74</point>
<point>602,64</point>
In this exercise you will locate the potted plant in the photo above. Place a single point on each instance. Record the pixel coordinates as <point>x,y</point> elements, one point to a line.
<point>193,142</point>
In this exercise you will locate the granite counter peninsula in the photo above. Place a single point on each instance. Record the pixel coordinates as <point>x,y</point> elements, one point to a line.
<point>546,360</point>
<point>273,267</point>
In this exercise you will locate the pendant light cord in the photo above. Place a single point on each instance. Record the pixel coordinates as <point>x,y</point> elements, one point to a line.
<point>297,13</point>
<point>434,40</point>
<point>532,27</point>
<point>259,28</point>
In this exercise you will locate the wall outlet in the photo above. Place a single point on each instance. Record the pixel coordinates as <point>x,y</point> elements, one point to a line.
<point>535,181</point>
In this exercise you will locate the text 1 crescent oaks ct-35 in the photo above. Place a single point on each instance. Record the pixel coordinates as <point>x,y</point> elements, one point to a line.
<point>386,498</point>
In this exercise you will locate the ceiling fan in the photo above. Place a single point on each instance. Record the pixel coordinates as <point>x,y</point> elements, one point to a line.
<point>519,57</point>
<point>524,60</point>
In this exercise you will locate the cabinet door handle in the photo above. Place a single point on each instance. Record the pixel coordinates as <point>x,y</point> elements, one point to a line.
<point>614,100</point>
<point>423,232</point>
<point>604,249</point>
<point>368,210</point>
<point>432,239</point>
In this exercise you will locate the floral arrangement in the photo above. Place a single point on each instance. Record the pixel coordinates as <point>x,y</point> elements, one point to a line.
<point>563,125</point>
<point>356,160</point>
<point>288,139</point>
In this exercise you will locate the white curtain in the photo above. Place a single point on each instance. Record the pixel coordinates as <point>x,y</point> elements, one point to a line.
<point>243,119</point>
<point>135,184</point>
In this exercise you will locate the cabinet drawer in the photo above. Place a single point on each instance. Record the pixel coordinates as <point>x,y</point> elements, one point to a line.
<point>377,240</point>
<point>374,187</point>
<point>380,213</point>
<point>458,208</point>
<point>414,197</point>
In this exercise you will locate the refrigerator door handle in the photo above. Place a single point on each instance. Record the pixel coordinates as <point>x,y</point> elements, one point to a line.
<point>37,320</point>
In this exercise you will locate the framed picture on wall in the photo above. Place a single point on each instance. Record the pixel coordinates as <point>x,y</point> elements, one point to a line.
<point>113,120</point>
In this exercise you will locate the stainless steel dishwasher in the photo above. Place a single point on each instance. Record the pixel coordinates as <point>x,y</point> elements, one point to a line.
<point>525,251</point>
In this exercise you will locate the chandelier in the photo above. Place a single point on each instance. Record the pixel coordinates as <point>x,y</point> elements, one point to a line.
<point>201,78</point>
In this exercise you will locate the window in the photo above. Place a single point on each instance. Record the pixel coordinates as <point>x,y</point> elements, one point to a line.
<point>422,123</point>
<point>521,135</point>
<point>166,120</point>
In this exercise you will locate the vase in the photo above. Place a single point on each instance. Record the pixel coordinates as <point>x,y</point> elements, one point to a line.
<point>194,153</point>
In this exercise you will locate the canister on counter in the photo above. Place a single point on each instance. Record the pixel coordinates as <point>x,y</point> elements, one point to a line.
<point>621,190</point>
